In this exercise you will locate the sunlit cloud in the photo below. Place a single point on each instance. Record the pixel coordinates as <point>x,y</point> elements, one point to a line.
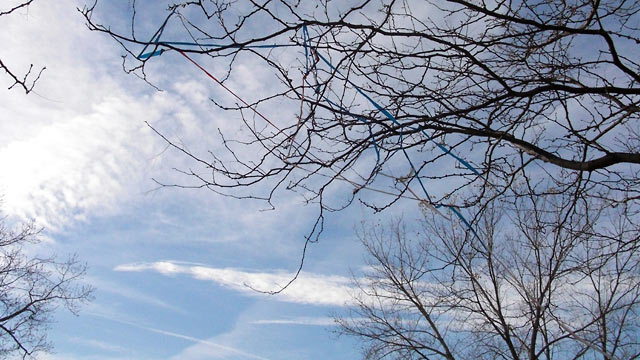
<point>309,288</point>
<point>74,166</point>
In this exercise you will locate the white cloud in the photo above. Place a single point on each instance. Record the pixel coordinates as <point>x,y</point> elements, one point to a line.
<point>102,345</point>
<point>309,288</point>
<point>130,293</point>
<point>75,166</point>
<point>208,349</point>
<point>73,146</point>
<point>221,351</point>
<point>66,356</point>
<point>312,321</point>
<point>78,146</point>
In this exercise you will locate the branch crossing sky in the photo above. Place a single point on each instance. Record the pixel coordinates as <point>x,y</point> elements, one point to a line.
<point>173,268</point>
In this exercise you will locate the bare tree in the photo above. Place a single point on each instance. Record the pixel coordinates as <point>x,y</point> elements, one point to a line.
<point>31,289</point>
<point>524,114</point>
<point>450,103</point>
<point>28,80</point>
<point>382,89</point>
<point>538,281</point>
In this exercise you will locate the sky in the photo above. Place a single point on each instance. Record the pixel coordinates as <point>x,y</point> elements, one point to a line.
<point>179,273</point>
<point>173,268</point>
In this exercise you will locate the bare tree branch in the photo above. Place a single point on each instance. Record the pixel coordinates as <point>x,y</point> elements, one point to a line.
<point>25,82</point>
<point>31,289</point>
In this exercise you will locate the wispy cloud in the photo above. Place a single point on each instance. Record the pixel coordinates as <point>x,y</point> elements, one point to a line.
<point>69,148</point>
<point>66,356</point>
<point>309,288</point>
<point>75,165</point>
<point>102,345</point>
<point>311,321</point>
<point>130,293</point>
<point>220,347</point>
<point>78,145</point>
<point>225,348</point>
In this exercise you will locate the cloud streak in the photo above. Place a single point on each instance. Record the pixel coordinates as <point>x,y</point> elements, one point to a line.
<point>309,321</point>
<point>130,293</point>
<point>224,348</point>
<point>309,288</point>
<point>102,345</point>
<point>229,349</point>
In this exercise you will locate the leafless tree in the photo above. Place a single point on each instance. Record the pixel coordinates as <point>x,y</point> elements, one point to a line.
<point>26,81</point>
<point>537,281</point>
<point>31,289</point>
<point>550,86</point>
<point>526,110</point>
<point>450,103</point>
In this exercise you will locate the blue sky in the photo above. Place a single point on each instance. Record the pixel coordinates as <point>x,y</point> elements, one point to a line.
<point>170,266</point>
<point>174,269</point>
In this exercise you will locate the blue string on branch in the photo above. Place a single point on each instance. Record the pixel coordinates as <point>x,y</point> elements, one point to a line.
<point>309,50</point>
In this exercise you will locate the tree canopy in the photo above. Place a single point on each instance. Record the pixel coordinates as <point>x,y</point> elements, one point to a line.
<point>530,107</point>
<point>501,89</point>
<point>31,288</point>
